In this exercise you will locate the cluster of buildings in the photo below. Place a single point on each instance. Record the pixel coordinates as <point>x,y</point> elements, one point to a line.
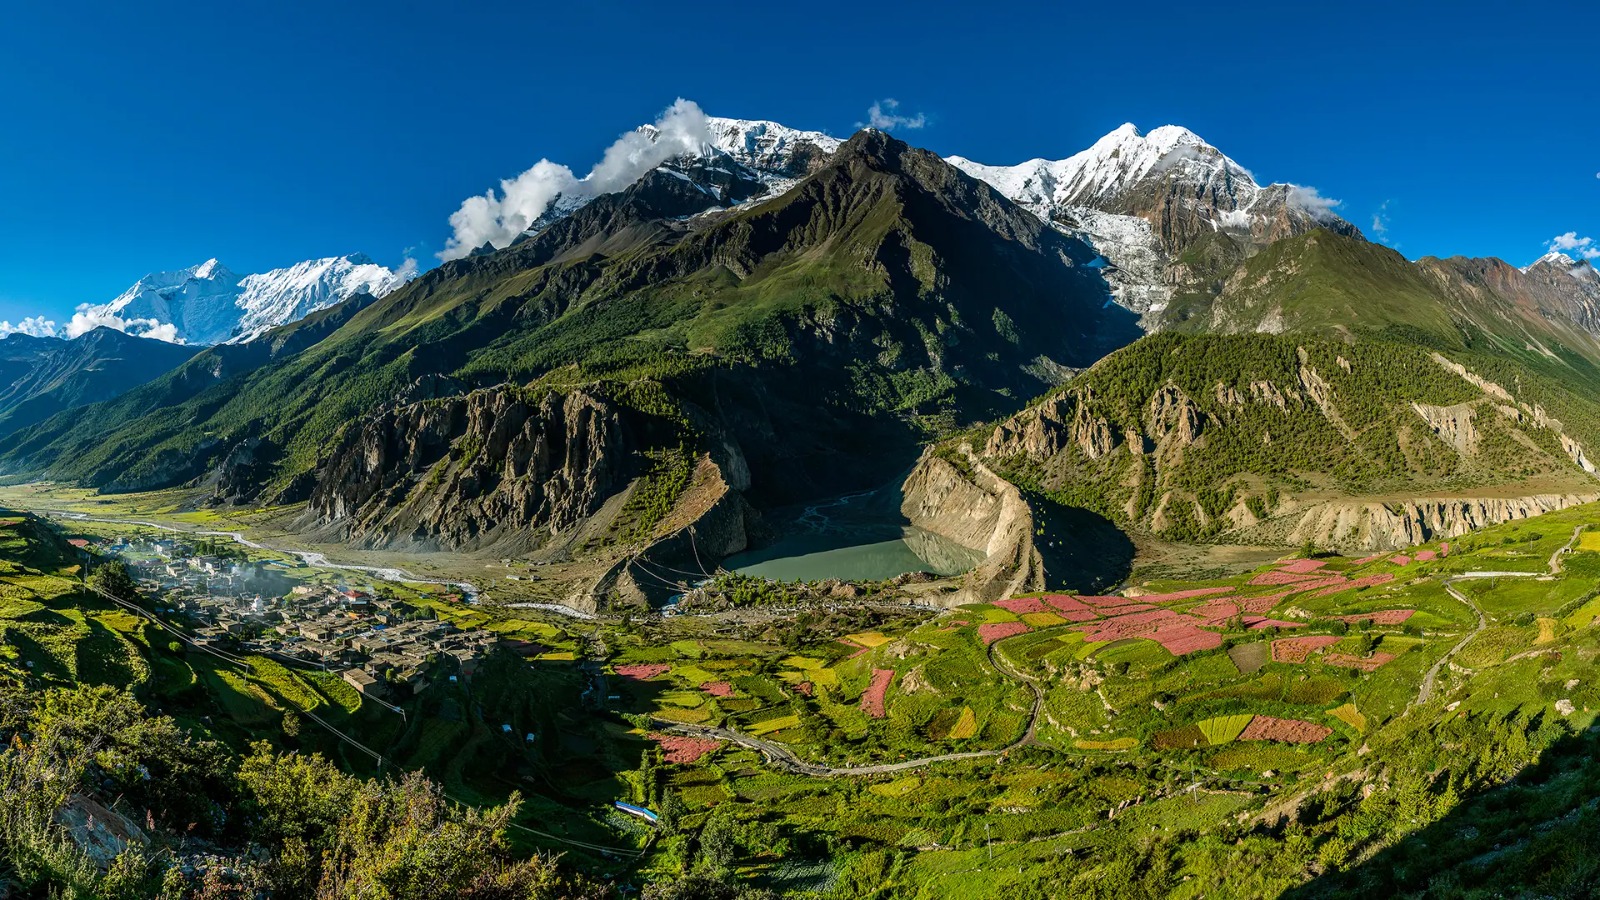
<point>380,646</point>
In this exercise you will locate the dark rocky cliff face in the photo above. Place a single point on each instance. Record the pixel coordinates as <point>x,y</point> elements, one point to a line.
<point>458,473</point>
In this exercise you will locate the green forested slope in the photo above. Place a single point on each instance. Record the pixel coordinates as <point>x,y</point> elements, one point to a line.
<point>886,297</point>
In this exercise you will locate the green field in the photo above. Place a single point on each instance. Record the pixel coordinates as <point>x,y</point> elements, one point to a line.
<point>1131,740</point>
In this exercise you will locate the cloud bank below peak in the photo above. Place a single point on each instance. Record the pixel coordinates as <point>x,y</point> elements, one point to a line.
<point>498,218</point>
<point>87,318</point>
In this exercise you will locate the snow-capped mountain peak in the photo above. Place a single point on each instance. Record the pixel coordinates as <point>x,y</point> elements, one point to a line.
<point>211,268</point>
<point>273,298</point>
<point>208,304</point>
<point>1111,165</point>
<point>765,146</point>
<point>1142,199</point>
<point>711,154</point>
<point>1557,259</point>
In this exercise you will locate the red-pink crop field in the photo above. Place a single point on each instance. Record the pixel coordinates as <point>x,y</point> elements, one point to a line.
<point>1181,638</point>
<point>1022,604</point>
<point>718,688</point>
<point>1425,556</point>
<point>994,631</point>
<point>1299,649</point>
<point>1365,664</point>
<point>1179,634</point>
<point>1366,559</point>
<point>1337,582</point>
<point>1380,617</point>
<point>1302,566</point>
<point>1139,624</point>
<point>684,750</point>
<point>1400,559</point>
<point>1289,731</point>
<point>872,700</point>
<point>1261,604</point>
<point>1215,612</point>
<point>1444,549</point>
<point>1071,608</point>
<point>1107,602</point>
<point>643,671</point>
<point>1065,602</point>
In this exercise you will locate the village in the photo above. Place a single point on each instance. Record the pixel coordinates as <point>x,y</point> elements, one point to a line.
<point>383,647</point>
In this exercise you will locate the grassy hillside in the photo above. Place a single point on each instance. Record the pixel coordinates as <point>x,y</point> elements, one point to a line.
<point>1200,436</point>
<point>1336,285</point>
<point>1323,369</point>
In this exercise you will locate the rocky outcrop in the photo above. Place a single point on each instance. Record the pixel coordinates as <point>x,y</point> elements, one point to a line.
<point>1473,378</point>
<point>1453,424</point>
<point>1519,413</point>
<point>1048,427</point>
<point>241,471</point>
<point>99,832</point>
<point>1374,525</point>
<point>1173,418</point>
<point>973,507</point>
<point>710,522</point>
<point>499,464</point>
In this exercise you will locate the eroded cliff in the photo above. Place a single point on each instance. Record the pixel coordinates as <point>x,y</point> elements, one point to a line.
<point>500,465</point>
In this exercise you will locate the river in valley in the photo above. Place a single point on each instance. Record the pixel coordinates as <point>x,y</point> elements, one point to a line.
<point>851,539</point>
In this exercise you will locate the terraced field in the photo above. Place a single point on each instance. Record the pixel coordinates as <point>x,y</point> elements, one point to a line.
<point>1041,727</point>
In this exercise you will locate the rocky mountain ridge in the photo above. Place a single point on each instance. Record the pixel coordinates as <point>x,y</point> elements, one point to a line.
<point>40,377</point>
<point>1273,439</point>
<point>885,297</point>
<point>463,471</point>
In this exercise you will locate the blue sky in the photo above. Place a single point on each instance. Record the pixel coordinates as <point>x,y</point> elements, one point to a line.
<point>140,137</point>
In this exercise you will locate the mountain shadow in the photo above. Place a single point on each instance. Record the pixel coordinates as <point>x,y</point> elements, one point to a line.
<point>1536,835</point>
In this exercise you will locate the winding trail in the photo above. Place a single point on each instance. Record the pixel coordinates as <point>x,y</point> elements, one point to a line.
<point>784,758</point>
<point>1555,558</point>
<point>1426,690</point>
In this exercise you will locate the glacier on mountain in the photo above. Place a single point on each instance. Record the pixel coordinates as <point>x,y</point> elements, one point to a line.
<point>208,304</point>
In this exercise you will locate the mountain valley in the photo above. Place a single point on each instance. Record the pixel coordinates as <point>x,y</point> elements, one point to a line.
<point>1230,553</point>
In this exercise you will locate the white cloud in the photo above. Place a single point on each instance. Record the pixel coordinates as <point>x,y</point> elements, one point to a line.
<point>1310,200</point>
<point>1570,243</point>
<point>37,326</point>
<point>498,219</point>
<point>1380,222</point>
<point>884,116</point>
<point>88,317</point>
